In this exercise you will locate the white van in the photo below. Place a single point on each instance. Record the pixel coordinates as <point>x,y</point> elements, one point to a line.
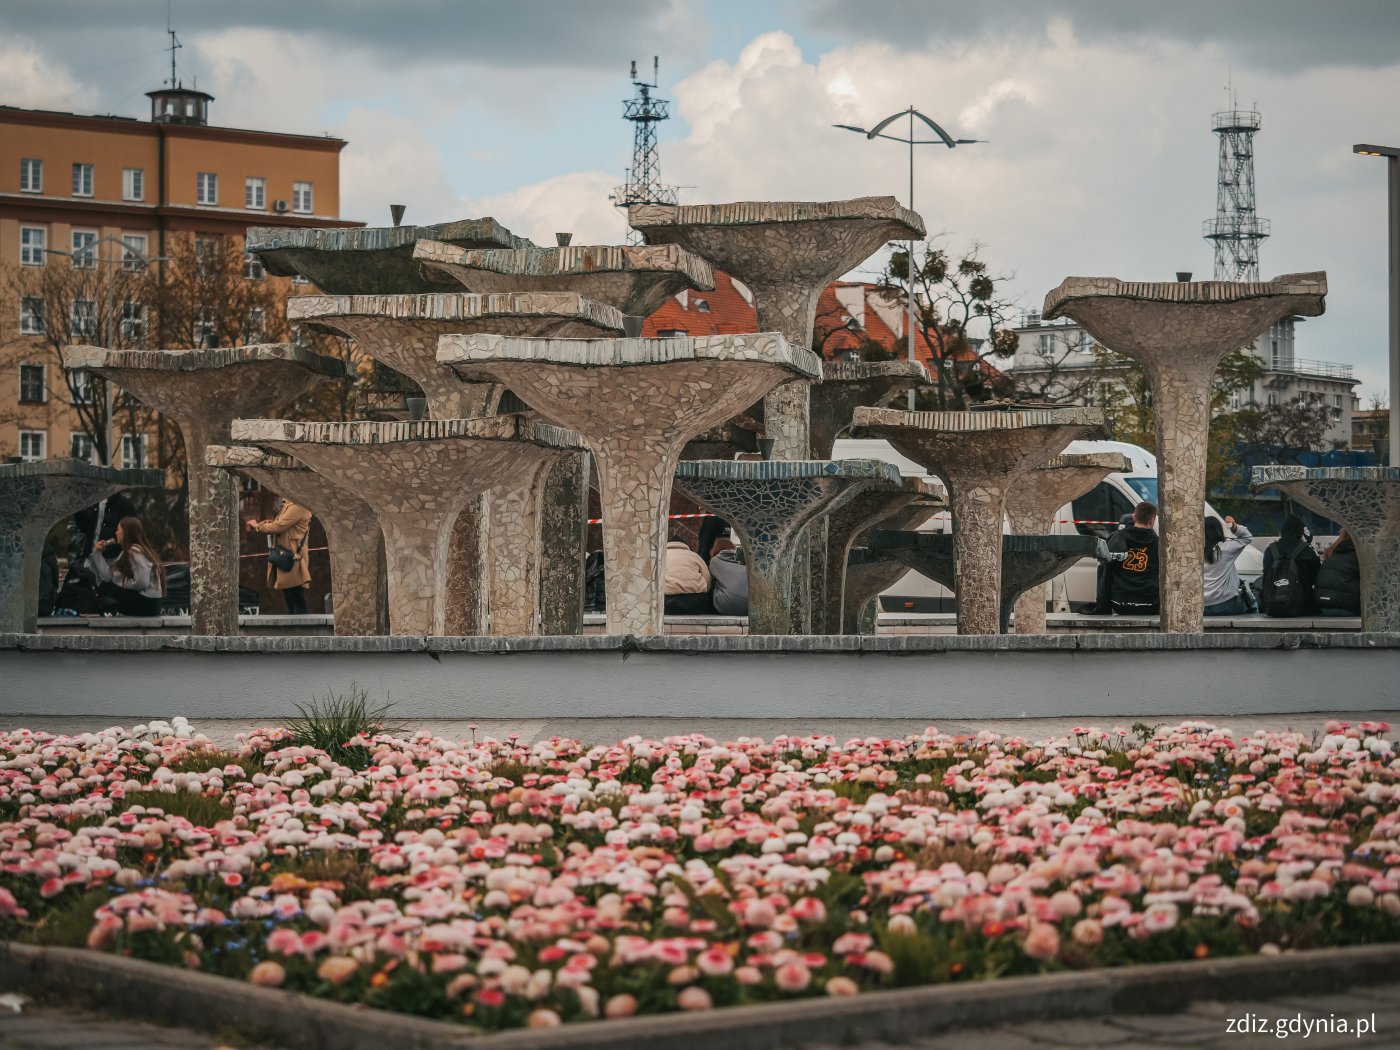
<point>1096,513</point>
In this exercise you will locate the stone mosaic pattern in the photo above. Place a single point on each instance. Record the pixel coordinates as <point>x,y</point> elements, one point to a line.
<point>839,531</point>
<point>979,456</point>
<point>204,391</point>
<point>33,498</point>
<point>636,402</point>
<point>786,252</point>
<point>1027,561</point>
<point>369,259</point>
<point>418,476</point>
<point>868,574</point>
<point>848,386</point>
<point>563,545</point>
<point>1366,500</point>
<point>1037,497</point>
<point>636,279</point>
<point>1179,332</point>
<point>359,583</point>
<point>465,587</point>
<point>770,504</point>
<point>402,331</point>
<point>514,568</point>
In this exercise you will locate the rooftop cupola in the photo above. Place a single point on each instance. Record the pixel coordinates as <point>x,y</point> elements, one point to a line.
<point>179,105</point>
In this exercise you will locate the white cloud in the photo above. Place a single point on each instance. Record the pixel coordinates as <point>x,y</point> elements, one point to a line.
<point>29,80</point>
<point>575,203</point>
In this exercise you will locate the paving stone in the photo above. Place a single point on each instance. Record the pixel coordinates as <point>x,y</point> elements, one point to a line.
<point>1074,1031</point>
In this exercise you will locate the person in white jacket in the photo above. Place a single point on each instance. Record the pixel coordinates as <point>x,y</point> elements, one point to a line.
<point>135,581</point>
<point>1222,579</point>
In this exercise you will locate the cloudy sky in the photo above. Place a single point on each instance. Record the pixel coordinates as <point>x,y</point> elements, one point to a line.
<point>1100,159</point>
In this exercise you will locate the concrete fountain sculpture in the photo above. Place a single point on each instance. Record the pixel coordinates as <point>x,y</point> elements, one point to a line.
<point>1179,332</point>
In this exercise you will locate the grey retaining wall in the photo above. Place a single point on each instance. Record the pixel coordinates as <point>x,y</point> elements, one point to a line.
<point>933,677</point>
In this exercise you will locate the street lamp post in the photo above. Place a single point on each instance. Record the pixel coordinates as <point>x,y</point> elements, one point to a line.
<point>943,139</point>
<point>1392,163</point>
<point>128,255</point>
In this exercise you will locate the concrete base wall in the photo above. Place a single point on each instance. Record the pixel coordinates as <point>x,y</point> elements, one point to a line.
<point>1118,675</point>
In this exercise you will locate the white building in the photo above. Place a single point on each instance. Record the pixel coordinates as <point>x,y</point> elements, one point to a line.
<point>1055,360</point>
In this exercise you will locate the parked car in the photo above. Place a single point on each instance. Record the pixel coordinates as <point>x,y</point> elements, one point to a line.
<point>1096,513</point>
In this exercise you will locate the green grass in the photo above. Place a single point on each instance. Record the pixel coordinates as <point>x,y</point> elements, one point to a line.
<point>331,722</point>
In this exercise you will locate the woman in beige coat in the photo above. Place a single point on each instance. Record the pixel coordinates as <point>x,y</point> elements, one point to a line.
<point>288,529</point>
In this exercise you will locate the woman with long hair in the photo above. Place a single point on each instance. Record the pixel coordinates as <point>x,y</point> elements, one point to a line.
<point>1222,579</point>
<point>135,581</point>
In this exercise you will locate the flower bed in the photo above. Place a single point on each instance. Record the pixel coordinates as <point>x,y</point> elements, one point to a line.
<point>501,885</point>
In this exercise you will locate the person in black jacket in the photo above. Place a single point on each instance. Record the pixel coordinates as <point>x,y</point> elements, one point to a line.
<point>1134,562</point>
<point>1293,536</point>
<point>1338,591</point>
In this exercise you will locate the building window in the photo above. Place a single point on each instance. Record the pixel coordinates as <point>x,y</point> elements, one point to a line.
<point>80,386</point>
<point>84,318</point>
<point>1337,402</point>
<point>31,176</point>
<point>1273,398</point>
<point>204,331</point>
<point>702,306</point>
<point>133,451</point>
<point>255,193</point>
<point>133,322</point>
<point>33,240</point>
<point>134,247</point>
<point>32,389</point>
<point>82,180</point>
<point>31,316</point>
<point>32,445</point>
<point>252,267</point>
<point>80,445</point>
<point>133,184</point>
<point>253,325</point>
<point>84,249</point>
<point>301,197</point>
<point>206,252</point>
<point>670,333</point>
<point>207,189</point>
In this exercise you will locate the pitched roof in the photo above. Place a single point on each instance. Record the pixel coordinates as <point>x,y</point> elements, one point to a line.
<point>726,310</point>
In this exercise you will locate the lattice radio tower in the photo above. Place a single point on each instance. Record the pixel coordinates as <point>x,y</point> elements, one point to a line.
<point>1236,230</point>
<point>644,184</point>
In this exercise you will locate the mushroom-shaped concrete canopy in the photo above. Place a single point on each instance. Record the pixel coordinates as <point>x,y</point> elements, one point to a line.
<point>1366,500</point>
<point>635,279</point>
<point>33,496</point>
<point>1179,332</point>
<point>204,390</point>
<point>402,331</point>
<point>367,259</point>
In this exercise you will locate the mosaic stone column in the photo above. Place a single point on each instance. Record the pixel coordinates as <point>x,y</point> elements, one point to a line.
<point>1179,332</point>
<point>1037,497</point>
<point>979,456</point>
<point>786,253</point>
<point>33,498</point>
<point>359,588</point>
<point>1366,500</point>
<point>636,402</point>
<point>1027,561</point>
<point>634,279</point>
<point>770,504</point>
<point>204,391</point>
<point>563,545</point>
<point>871,573</point>
<point>417,476</point>
<point>843,525</point>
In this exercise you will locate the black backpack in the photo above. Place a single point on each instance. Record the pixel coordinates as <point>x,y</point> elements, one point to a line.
<point>1283,591</point>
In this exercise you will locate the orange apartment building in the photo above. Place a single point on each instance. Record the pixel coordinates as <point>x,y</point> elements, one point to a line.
<point>113,186</point>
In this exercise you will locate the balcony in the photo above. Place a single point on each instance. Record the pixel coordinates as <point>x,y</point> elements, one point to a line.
<point>1302,366</point>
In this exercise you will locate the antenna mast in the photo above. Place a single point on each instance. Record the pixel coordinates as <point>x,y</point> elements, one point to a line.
<point>1236,230</point>
<point>644,184</point>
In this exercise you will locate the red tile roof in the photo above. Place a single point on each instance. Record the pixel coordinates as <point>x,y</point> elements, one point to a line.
<point>729,310</point>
